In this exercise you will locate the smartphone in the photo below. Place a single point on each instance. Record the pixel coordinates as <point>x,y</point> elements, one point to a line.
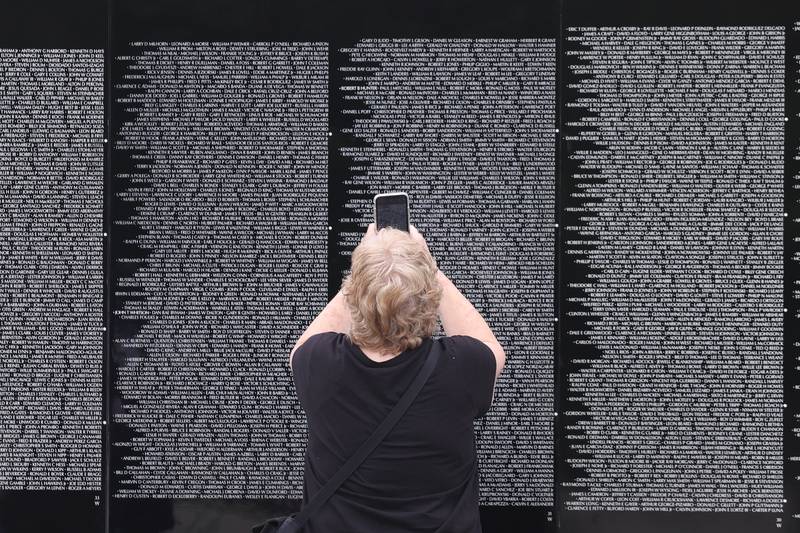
<point>391,210</point>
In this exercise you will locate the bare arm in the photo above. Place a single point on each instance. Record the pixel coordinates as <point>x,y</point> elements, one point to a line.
<point>459,317</point>
<point>335,316</point>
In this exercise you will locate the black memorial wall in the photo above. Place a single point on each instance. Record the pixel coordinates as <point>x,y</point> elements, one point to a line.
<point>613,185</point>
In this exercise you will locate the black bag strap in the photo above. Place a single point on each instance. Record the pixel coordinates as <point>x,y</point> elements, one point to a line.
<point>293,525</point>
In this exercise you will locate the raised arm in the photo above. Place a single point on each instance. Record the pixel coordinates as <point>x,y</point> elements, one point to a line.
<point>335,316</point>
<point>459,316</point>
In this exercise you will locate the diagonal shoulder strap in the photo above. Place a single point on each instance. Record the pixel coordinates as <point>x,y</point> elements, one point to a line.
<point>292,525</point>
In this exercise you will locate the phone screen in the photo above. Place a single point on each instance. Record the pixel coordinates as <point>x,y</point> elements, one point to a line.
<point>392,211</point>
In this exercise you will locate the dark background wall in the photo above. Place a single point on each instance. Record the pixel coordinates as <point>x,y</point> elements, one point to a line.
<point>114,26</point>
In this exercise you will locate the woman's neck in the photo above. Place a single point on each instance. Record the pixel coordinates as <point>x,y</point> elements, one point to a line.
<point>378,356</point>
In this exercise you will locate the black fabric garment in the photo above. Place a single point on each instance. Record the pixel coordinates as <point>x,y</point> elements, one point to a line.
<point>424,476</point>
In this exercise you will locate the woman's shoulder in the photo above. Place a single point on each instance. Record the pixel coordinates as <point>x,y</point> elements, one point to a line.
<point>317,349</point>
<point>465,344</point>
<point>321,339</point>
<point>468,354</point>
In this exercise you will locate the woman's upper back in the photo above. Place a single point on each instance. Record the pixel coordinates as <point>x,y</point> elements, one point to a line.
<point>423,476</point>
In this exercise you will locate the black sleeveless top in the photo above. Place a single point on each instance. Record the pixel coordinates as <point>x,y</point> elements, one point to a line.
<point>424,476</point>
